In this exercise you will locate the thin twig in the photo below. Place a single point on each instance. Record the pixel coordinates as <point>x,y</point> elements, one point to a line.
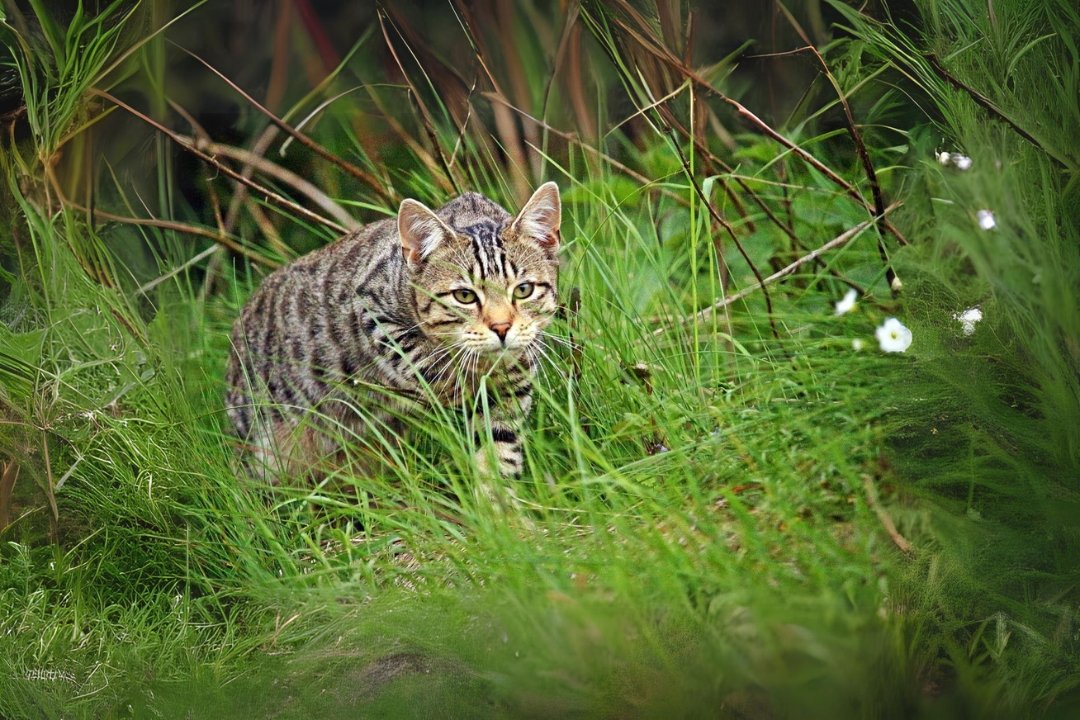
<point>191,147</point>
<point>240,193</point>
<point>720,220</point>
<point>717,165</point>
<point>365,177</point>
<point>505,129</point>
<point>464,124</point>
<point>569,23</point>
<point>212,267</point>
<point>408,140</point>
<point>143,289</point>
<point>50,495</point>
<point>886,520</point>
<point>836,242</point>
<point>722,171</point>
<point>177,227</point>
<point>94,214</point>
<point>856,139</point>
<point>426,119</point>
<point>665,56</point>
<point>267,229</point>
<point>256,161</point>
<point>985,103</point>
<point>571,138</point>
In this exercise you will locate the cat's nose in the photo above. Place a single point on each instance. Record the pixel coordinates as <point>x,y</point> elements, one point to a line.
<point>500,329</point>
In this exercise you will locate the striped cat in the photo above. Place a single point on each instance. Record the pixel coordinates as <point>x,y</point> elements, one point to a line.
<point>445,300</point>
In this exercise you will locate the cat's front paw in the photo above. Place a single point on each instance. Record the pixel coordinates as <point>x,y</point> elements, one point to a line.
<point>500,454</point>
<point>499,462</point>
<point>500,497</point>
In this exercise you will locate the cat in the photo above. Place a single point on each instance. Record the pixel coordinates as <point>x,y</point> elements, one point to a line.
<point>430,304</point>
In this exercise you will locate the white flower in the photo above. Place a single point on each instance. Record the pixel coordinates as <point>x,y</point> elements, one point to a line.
<point>968,318</point>
<point>847,303</point>
<point>893,336</point>
<point>958,161</point>
<point>986,219</point>
<point>857,344</point>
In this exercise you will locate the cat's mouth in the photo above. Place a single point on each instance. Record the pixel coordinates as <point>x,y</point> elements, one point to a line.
<point>490,356</point>
<point>498,351</point>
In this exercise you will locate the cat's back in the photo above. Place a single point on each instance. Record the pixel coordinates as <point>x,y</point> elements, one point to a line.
<point>295,324</point>
<point>328,268</point>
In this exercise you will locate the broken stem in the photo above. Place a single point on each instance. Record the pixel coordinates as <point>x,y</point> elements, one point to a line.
<point>836,242</point>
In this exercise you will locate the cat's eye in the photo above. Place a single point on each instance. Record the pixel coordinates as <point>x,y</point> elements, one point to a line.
<point>523,290</point>
<point>465,296</point>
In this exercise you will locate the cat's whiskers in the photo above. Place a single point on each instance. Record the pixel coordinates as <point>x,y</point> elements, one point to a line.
<point>559,339</point>
<point>540,354</point>
<point>460,368</point>
<point>448,356</point>
<point>439,364</point>
<point>543,354</point>
<point>460,356</point>
<point>442,351</point>
<point>474,368</point>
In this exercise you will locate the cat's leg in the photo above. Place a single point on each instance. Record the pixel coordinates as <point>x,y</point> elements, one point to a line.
<point>363,429</point>
<point>267,448</point>
<point>499,423</point>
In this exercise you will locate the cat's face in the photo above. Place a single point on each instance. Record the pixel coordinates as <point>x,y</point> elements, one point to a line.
<point>487,288</point>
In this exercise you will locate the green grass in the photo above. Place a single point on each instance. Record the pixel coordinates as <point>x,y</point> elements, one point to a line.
<point>704,537</point>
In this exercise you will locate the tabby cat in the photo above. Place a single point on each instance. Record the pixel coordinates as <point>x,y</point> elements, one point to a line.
<point>430,304</point>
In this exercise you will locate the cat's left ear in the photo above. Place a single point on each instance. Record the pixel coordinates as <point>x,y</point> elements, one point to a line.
<point>539,220</point>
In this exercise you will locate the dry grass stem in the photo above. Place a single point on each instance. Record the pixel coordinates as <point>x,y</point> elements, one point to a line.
<point>377,185</point>
<point>886,520</point>
<point>190,146</point>
<point>266,167</point>
<point>836,242</point>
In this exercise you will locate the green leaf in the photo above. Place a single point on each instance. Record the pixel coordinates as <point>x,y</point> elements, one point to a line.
<point>51,31</point>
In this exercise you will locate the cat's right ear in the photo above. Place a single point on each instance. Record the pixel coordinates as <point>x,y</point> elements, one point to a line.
<point>539,220</point>
<point>420,230</point>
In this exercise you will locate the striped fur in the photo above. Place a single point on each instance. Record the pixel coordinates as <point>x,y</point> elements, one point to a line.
<point>453,299</point>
